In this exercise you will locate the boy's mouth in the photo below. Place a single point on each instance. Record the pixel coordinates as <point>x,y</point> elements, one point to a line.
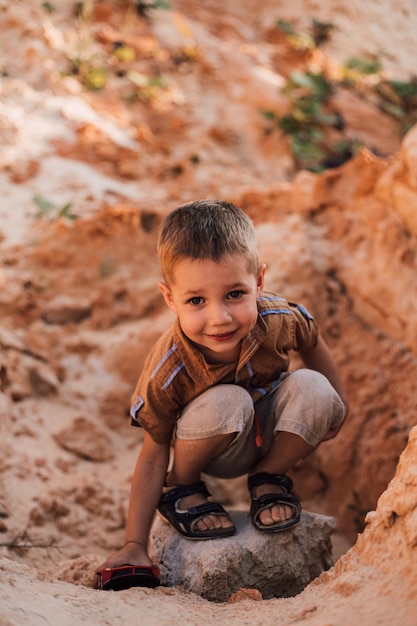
<point>223,336</point>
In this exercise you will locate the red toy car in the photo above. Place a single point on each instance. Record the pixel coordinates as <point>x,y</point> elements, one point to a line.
<point>126,576</point>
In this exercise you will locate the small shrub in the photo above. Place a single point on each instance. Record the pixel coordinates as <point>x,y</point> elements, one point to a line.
<point>305,40</point>
<point>307,120</point>
<point>399,99</point>
<point>85,62</point>
<point>53,212</point>
<point>143,8</point>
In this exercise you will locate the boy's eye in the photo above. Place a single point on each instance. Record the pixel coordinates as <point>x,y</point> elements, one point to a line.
<point>235,295</point>
<point>196,300</point>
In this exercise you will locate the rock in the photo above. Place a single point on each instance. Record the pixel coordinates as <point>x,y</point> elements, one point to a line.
<point>277,565</point>
<point>4,512</point>
<point>24,375</point>
<point>63,310</point>
<point>43,379</point>
<point>245,594</point>
<point>86,440</point>
<point>5,410</point>
<point>405,204</point>
<point>11,340</point>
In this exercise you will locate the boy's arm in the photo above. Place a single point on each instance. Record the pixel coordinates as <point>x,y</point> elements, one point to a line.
<point>320,359</point>
<point>147,482</point>
<point>145,492</point>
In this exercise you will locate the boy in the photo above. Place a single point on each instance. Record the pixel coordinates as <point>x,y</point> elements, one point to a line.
<point>216,386</point>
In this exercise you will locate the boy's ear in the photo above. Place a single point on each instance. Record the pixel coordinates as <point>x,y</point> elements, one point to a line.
<point>261,278</point>
<point>166,292</point>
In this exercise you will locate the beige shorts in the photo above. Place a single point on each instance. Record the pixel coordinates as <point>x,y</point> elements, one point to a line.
<point>304,403</point>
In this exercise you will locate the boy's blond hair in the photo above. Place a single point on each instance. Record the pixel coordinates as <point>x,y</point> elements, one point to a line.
<point>206,229</point>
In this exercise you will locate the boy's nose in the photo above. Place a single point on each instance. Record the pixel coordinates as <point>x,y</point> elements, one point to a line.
<point>219,314</point>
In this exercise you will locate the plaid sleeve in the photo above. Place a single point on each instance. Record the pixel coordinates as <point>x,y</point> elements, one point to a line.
<point>154,410</point>
<point>154,404</point>
<point>306,331</point>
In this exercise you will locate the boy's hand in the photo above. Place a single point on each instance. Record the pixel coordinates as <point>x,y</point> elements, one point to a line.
<point>148,478</point>
<point>130,554</point>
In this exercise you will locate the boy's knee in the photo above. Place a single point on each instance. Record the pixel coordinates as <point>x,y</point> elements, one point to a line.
<point>310,395</point>
<point>222,409</point>
<point>311,384</point>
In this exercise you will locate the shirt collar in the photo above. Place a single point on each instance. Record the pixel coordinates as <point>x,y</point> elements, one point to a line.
<point>252,341</point>
<point>197,367</point>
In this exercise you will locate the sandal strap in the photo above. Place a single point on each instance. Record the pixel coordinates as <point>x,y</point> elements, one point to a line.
<point>264,501</point>
<point>268,499</point>
<point>262,478</point>
<point>181,491</point>
<point>185,521</point>
<point>201,510</point>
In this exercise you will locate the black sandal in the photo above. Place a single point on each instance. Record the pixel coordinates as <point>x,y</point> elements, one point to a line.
<point>269,499</point>
<point>185,521</point>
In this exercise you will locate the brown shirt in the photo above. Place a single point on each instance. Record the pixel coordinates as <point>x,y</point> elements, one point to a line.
<point>176,372</point>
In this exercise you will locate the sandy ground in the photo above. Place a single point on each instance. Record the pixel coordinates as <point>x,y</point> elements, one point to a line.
<point>67,145</point>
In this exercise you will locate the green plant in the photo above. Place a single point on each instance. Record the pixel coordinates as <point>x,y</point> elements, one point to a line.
<point>321,31</point>
<point>143,8</point>
<point>48,6</point>
<point>363,65</point>
<point>396,98</point>
<point>307,120</point>
<point>299,40</point>
<point>53,212</point>
<point>399,99</point>
<point>85,62</point>
<point>145,88</point>
<point>305,40</point>
<point>361,71</point>
<point>316,134</point>
<point>123,53</point>
<point>313,85</point>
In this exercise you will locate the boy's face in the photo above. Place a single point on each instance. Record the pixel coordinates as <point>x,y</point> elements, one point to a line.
<point>215,303</point>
